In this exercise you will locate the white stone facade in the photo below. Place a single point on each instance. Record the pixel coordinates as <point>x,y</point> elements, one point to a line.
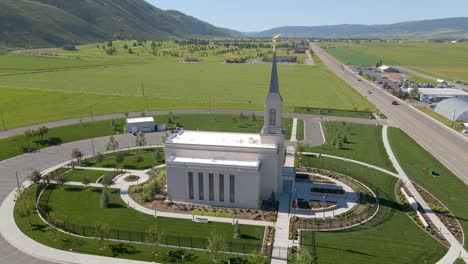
<point>229,169</point>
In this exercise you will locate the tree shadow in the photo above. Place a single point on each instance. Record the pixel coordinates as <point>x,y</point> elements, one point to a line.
<point>237,260</point>
<point>54,141</point>
<point>244,236</point>
<point>122,248</point>
<point>175,256</point>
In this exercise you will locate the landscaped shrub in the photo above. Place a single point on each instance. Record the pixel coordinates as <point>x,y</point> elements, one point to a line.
<point>105,199</point>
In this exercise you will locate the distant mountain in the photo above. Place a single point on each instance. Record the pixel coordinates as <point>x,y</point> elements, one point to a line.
<point>44,23</point>
<point>424,29</point>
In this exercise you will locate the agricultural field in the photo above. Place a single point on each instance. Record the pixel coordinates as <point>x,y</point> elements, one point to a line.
<point>37,89</point>
<point>443,60</point>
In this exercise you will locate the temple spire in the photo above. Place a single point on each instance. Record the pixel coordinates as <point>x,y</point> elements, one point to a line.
<point>274,86</point>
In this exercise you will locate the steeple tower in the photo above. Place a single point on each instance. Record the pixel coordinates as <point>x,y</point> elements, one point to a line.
<point>273,103</point>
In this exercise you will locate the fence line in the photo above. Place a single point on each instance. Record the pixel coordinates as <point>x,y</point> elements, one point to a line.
<point>194,243</point>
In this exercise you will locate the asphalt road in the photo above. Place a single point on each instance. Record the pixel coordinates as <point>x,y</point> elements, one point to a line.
<point>447,145</point>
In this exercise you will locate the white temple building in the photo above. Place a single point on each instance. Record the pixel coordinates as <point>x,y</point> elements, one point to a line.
<point>229,169</point>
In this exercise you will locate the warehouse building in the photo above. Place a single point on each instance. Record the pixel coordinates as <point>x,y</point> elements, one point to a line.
<point>455,109</point>
<point>439,94</point>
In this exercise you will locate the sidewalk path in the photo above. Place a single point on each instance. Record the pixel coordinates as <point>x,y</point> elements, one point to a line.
<point>132,204</point>
<point>294,131</point>
<point>282,242</point>
<point>456,248</point>
<point>353,161</point>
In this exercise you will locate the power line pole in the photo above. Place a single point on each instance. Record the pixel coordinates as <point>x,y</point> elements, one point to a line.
<point>3,121</point>
<point>92,120</point>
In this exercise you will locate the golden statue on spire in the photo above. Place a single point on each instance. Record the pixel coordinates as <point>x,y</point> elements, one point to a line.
<point>275,41</point>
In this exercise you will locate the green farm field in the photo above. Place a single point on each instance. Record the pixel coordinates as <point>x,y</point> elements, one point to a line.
<point>443,60</point>
<point>38,89</point>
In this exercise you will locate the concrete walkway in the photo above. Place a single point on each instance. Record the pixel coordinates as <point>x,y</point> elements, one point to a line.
<point>456,249</point>
<point>294,131</point>
<point>132,204</point>
<point>282,242</point>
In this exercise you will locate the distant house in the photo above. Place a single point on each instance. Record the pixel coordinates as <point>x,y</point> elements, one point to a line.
<point>387,69</point>
<point>300,50</point>
<point>140,124</point>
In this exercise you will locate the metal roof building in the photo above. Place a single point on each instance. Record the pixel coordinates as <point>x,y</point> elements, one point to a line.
<point>453,109</point>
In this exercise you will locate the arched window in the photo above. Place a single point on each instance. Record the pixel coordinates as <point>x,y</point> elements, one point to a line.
<point>272,117</point>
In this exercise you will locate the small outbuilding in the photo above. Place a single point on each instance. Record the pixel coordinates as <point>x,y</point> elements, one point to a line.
<point>140,124</point>
<point>455,109</point>
<point>387,69</point>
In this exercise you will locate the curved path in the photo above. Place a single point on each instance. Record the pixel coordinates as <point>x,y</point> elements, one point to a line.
<point>59,154</point>
<point>42,160</point>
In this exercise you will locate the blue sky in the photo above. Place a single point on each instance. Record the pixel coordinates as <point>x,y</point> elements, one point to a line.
<point>257,15</point>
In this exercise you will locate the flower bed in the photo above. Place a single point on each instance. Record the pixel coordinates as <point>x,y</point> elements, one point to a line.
<point>447,218</point>
<point>132,178</point>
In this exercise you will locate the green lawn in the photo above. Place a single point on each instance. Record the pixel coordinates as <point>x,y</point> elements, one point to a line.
<point>333,112</point>
<point>37,231</point>
<point>446,187</point>
<point>364,143</point>
<point>300,129</point>
<point>391,237</point>
<point>129,162</point>
<point>83,208</point>
<point>447,73</point>
<point>80,175</point>
<point>20,144</point>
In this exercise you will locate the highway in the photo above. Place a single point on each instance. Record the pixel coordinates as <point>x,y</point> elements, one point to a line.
<point>445,144</point>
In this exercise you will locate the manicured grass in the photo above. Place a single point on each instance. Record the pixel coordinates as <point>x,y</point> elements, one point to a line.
<point>129,162</point>
<point>300,129</point>
<point>20,144</point>
<point>456,125</point>
<point>333,112</point>
<point>447,187</point>
<point>364,143</point>
<point>83,207</point>
<point>391,237</point>
<point>405,54</point>
<point>79,175</point>
<point>37,231</point>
